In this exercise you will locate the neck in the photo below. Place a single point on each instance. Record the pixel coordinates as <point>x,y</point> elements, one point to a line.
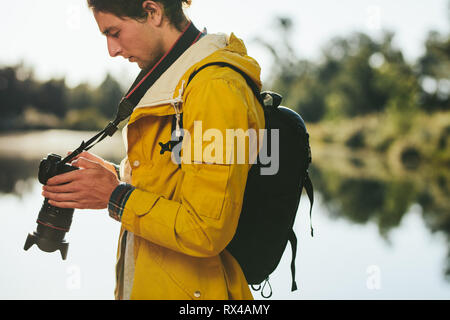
<point>148,77</point>
<point>172,34</point>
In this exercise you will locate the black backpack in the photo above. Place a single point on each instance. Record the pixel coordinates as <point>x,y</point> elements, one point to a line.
<point>270,201</point>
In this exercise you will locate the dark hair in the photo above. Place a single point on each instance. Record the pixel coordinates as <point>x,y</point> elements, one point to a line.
<point>173,9</point>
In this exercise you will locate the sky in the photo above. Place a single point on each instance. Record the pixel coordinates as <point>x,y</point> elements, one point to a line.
<point>61,39</point>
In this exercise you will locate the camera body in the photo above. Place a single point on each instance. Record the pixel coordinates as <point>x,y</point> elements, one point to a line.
<point>52,223</point>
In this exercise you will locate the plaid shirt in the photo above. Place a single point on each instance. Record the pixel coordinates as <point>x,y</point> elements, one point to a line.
<point>118,199</point>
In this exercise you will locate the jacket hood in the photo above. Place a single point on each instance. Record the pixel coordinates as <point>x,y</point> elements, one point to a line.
<point>235,53</point>
<point>211,48</point>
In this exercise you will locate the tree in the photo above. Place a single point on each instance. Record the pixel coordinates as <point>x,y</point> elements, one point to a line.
<point>51,97</point>
<point>108,96</point>
<point>14,92</point>
<point>433,70</point>
<point>81,97</point>
<point>356,75</point>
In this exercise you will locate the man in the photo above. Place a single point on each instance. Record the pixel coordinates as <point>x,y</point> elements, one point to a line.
<point>177,219</point>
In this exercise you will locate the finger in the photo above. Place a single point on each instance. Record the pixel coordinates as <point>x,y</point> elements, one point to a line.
<point>68,187</point>
<point>63,178</point>
<point>91,156</point>
<point>83,154</point>
<point>85,163</point>
<point>66,204</point>
<point>61,197</point>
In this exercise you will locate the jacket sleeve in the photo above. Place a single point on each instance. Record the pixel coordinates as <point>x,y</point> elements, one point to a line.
<point>205,220</point>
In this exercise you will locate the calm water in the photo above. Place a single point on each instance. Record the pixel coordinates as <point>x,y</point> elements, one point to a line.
<point>377,235</point>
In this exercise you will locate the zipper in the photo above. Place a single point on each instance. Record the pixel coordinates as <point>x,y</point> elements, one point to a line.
<point>176,106</point>
<point>176,103</point>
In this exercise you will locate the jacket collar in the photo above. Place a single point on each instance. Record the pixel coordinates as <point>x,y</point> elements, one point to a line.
<point>163,92</point>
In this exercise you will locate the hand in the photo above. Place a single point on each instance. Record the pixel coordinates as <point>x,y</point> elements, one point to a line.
<point>95,158</point>
<point>90,187</point>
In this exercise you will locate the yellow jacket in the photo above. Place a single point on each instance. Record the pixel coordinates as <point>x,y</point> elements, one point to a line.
<point>182,218</point>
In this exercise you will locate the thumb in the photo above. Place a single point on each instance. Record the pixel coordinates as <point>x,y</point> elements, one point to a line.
<point>87,155</point>
<point>84,163</point>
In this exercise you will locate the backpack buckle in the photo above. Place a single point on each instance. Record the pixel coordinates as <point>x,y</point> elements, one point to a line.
<point>271,99</point>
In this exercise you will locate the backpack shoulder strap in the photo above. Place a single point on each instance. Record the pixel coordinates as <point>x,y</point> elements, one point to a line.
<point>247,78</point>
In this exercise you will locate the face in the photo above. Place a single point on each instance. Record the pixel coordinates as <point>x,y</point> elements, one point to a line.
<point>136,41</point>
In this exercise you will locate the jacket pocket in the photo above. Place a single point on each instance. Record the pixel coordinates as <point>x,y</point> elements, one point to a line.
<point>141,202</point>
<point>204,189</point>
<point>199,278</point>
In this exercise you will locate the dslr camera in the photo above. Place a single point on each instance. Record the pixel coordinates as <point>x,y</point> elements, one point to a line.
<point>52,223</point>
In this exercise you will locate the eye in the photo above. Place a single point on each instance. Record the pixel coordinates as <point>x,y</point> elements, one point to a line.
<point>115,35</point>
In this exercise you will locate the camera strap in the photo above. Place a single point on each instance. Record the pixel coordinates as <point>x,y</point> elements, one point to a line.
<point>145,79</point>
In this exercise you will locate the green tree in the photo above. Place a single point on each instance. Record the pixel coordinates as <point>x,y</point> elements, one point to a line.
<point>434,72</point>
<point>81,97</point>
<point>15,91</point>
<point>51,97</point>
<point>356,75</point>
<point>108,96</point>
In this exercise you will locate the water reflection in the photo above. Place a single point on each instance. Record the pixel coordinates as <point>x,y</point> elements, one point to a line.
<point>365,188</point>
<point>17,175</point>
<point>93,236</point>
<point>21,153</point>
<point>356,189</point>
<point>359,199</point>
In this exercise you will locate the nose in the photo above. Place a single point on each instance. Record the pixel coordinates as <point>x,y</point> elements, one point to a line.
<point>114,48</point>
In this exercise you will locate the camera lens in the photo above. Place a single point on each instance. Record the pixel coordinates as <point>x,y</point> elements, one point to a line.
<point>52,225</point>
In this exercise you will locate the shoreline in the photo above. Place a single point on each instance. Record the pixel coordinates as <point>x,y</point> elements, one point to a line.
<point>38,144</point>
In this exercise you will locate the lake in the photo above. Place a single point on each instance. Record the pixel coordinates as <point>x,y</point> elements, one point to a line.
<point>379,232</point>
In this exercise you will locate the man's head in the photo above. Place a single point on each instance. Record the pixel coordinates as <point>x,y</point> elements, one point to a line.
<point>140,30</point>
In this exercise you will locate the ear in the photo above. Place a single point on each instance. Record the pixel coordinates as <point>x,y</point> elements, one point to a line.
<point>155,11</point>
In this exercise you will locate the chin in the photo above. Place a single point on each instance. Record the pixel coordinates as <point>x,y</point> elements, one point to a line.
<point>142,65</point>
